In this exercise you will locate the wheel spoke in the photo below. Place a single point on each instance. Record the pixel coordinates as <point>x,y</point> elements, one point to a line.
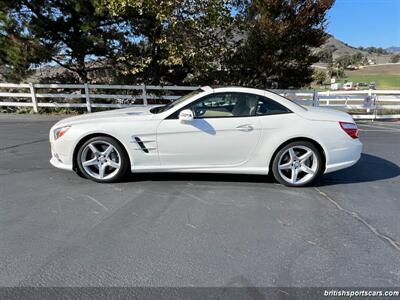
<point>293,155</point>
<point>102,168</point>
<point>93,148</point>
<point>306,155</point>
<point>89,162</point>
<point>285,166</point>
<point>295,173</point>
<point>107,152</point>
<point>306,169</point>
<point>113,164</point>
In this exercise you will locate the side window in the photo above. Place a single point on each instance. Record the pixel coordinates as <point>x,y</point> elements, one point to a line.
<point>267,106</point>
<point>222,105</point>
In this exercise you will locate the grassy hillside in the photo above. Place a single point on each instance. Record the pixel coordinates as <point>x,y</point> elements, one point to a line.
<point>385,76</point>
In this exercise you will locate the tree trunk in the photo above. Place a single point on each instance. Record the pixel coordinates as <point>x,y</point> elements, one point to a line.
<point>81,69</point>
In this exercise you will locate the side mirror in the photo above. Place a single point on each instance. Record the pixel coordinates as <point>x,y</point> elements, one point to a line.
<point>186,115</point>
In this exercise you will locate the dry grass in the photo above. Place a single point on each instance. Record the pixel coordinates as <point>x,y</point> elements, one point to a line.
<point>390,69</point>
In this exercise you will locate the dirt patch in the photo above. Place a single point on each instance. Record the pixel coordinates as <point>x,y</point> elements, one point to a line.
<point>393,69</point>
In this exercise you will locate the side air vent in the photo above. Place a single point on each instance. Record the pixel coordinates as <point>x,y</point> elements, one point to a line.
<point>141,145</point>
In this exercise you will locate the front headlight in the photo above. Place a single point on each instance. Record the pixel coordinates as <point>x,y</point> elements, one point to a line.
<point>59,132</point>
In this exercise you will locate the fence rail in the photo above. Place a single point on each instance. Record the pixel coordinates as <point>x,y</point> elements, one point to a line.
<point>374,104</point>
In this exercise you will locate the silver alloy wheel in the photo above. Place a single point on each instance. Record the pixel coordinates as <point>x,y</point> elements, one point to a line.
<point>101,160</point>
<point>298,165</point>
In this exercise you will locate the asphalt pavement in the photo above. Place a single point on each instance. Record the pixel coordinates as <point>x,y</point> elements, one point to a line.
<point>172,230</point>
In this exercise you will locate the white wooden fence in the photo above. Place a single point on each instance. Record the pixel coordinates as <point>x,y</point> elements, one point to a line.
<point>374,104</point>
<point>362,104</point>
<point>90,93</point>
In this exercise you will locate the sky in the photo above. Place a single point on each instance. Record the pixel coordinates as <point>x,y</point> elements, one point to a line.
<point>366,22</point>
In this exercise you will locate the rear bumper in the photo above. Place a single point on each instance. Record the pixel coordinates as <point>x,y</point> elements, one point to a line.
<point>339,166</point>
<point>345,157</point>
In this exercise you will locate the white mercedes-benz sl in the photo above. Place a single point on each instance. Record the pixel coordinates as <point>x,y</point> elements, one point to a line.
<point>221,130</point>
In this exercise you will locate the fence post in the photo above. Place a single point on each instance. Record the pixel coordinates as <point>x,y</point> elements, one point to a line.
<point>87,96</point>
<point>33,96</point>
<point>315,100</point>
<point>144,94</point>
<point>328,94</point>
<point>375,105</point>
<point>370,97</point>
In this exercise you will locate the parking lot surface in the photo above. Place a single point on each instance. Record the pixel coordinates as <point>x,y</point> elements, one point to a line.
<point>58,229</point>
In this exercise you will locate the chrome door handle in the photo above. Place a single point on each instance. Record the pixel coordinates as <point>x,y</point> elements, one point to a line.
<point>246,127</point>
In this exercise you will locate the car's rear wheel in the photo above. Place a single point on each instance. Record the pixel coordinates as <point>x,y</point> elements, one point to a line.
<point>297,164</point>
<point>102,159</point>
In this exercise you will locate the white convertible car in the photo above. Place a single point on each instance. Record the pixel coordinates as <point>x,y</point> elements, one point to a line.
<point>221,130</point>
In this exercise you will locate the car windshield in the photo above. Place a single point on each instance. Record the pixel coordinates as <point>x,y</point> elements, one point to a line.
<point>160,109</point>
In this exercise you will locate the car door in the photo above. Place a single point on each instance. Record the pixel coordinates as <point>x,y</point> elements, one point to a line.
<point>224,132</point>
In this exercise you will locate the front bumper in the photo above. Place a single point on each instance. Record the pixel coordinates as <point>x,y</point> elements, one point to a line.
<point>61,149</point>
<point>57,162</point>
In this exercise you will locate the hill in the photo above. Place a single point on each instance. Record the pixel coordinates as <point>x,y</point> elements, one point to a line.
<point>340,48</point>
<point>395,50</point>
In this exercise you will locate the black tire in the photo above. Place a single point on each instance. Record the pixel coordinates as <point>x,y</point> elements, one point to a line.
<point>310,177</point>
<point>119,153</point>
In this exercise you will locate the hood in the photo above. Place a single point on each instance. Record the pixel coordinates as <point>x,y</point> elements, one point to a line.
<point>325,114</point>
<point>137,113</point>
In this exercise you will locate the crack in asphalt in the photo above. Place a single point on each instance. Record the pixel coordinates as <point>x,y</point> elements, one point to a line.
<point>359,218</point>
<point>97,202</point>
<point>23,144</point>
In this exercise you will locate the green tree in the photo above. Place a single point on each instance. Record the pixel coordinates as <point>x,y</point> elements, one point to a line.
<point>245,42</point>
<point>395,58</point>
<point>18,52</point>
<point>69,33</point>
<point>319,76</point>
<point>278,50</point>
<point>326,55</point>
<point>376,50</point>
<point>357,58</point>
<point>177,41</point>
<point>335,71</point>
<point>344,60</point>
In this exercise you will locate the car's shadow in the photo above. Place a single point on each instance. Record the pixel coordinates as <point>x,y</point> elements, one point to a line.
<point>369,168</point>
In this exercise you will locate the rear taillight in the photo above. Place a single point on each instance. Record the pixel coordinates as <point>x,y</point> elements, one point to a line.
<point>350,128</point>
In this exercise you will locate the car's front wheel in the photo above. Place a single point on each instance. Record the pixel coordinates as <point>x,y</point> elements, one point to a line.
<point>297,164</point>
<point>102,159</point>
